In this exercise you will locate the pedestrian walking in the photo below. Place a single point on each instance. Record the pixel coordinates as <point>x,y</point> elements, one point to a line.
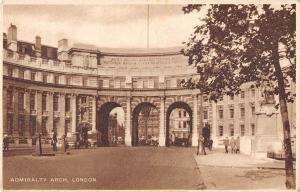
<point>237,145</point>
<point>173,138</point>
<point>63,143</point>
<point>54,141</point>
<point>232,144</point>
<point>226,143</point>
<point>5,142</point>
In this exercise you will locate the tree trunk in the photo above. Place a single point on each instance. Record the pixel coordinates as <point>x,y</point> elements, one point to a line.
<point>290,177</point>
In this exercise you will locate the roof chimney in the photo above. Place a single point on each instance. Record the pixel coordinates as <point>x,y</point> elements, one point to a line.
<point>38,46</point>
<point>12,37</point>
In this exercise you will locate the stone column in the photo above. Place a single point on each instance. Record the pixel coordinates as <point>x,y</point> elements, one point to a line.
<point>94,115</point>
<point>4,106</point>
<point>27,113</point>
<point>15,113</point>
<point>195,121</point>
<point>38,106</point>
<point>162,122</point>
<point>73,110</point>
<point>62,119</point>
<point>128,123</point>
<point>49,108</point>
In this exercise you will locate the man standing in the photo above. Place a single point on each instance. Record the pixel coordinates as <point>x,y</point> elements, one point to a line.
<point>54,141</point>
<point>237,145</point>
<point>5,142</point>
<point>226,143</point>
<point>232,144</point>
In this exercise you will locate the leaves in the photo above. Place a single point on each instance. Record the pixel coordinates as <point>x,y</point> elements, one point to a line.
<point>236,44</point>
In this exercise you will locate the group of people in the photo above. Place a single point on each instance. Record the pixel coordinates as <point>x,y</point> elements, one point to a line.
<point>64,143</point>
<point>233,143</point>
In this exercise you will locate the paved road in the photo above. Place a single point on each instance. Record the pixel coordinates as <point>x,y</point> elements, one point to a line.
<point>106,168</point>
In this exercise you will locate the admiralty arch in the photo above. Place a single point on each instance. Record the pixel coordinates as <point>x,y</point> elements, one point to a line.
<point>48,89</point>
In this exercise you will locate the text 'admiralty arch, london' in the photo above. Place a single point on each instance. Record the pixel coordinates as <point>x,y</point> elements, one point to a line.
<point>55,89</point>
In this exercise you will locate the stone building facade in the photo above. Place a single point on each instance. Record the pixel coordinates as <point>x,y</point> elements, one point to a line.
<point>47,89</point>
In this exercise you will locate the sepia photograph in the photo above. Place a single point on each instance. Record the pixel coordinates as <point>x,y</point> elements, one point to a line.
<point>149,96</point>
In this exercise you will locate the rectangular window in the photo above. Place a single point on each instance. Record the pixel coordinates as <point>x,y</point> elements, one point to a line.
<point>111,83</point>
<point>184,113</point>
<point>117,83</point>
<point>220,113</point>
<point>231,113</point>
<point>56,79</point>
<point>145,83</point>
<point>106,83</point>
<point>252,129</point>
<point>83,100</point>
<point>10,120</point>
<point>168,83</point>
<point>84,81</point>
<point>184,124</point>
<point>9,99</point>
<point>21,125</point>
<point>44,126</point>
<point>45,76</point>
<point>151,83</point>
<point>21,73</point>
<point>55,103</point>
<point>140,84</point>
<point>242,130</point>
<point>253,110</point>
<point>32,76</point>
<point>100,83</point>
<point>231,129</point>
<point>67,126</point>
<point>55,125</point>
<point>179,124</point>
<point>68,80</point>
<point>67,104</point>
<point>221,130</point>
<point>10,71</point>
<point>253,93</point>
<point>205,114</point>
<point>242,94</point>
<point>179,114</point>
<point>123,83</point>
<point>134,84</point>
<point>32,101</point>
<point>21,101</point>
<point>32,123</point>
<point>242,112</point>
<point>44,102</point>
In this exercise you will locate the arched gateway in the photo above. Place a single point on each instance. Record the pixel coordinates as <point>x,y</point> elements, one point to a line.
<point>56,90</point>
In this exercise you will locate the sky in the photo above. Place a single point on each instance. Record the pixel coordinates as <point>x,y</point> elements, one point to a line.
<point>121,26</point>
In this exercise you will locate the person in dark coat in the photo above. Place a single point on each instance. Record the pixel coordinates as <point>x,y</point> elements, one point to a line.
<point>237,144</point>
<point>63,144</point>
<point>54,141</point>
<point>226,143</point>
<point>5,142</point>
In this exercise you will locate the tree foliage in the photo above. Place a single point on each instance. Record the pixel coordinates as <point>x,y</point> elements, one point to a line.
<point>236,44</point>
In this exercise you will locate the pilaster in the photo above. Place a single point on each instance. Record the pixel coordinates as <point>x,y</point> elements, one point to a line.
<point>128,122</point>
<point>162,127</point>
<point>195,121</point>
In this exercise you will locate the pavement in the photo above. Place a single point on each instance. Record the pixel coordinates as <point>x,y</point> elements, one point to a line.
<point>240,172</point>
<point>114,168</point>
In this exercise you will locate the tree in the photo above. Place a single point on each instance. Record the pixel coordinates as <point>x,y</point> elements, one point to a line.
<point>238,44</point>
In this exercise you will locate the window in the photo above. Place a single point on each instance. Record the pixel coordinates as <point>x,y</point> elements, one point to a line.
<point>117,83</point>
<point>179,114</point>
<point>252,129</point>
<point>10,123</point>
<point>231,97</point>
<point>221,130</point>
<point>205,114</point>
<point>21,73</point>
<point>184,113</point>
<point>67,104</point>
<point>32,101</point>
<point>84,81</point>
<point>32,77</point>
<point>45,76</point>
<point>55,125</point>
<point>106,83</point>
<point>21,125</point>
<point>253,110</point>
<point>44,102</point>
<point>179,124</point>
<point>184,124</point>
<point>242,94</point>
<point>55,102</point>
<point>231,129</point>
<point>10,71</point>
<point>21,101</point>
<point>32,123</point>
<point>168,82</point>
<point>83,99</point>
<point>100,83</point>
<point>140,84</point>
<point>9,99</point>
<point>221,113</point>
<point>123,83</point>
<point>111,83</point>
<point>44,126</point>
<point>242,130</point>
<point>205,98</point>
<point>242,112</point>
<point>151,83</point>
<point>67,126</point>
<point>253,93</point>
<point>231,113</point>
<point>56,79</point>
<point>134,84</point>
<point>68,80</point>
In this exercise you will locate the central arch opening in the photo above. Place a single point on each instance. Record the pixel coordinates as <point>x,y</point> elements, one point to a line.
<point>179,125</point>
<point>110,124</point>
<point>145,130</point>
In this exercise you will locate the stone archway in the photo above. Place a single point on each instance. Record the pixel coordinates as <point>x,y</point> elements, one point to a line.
<point>102,122</point>
<point>140,129</point>
<point>186,107</point>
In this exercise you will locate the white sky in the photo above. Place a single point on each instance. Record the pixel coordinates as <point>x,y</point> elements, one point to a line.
<point>102,25</point>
